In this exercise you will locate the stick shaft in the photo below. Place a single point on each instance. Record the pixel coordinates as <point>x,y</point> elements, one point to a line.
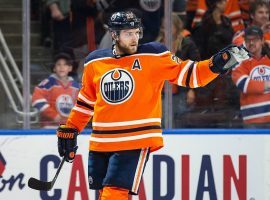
<point>44,185</point>
<point>58,170</point>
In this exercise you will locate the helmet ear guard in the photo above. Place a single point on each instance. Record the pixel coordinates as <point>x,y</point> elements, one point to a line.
<point>141,32</point>
<point>115,35</point>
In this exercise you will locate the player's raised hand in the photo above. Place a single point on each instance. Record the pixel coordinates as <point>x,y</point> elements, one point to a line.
<point>228,58</point>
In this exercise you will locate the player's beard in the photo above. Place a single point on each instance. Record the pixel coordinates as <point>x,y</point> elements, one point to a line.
<point>127,49</point>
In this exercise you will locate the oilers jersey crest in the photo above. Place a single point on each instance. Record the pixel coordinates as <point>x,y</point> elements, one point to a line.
<point>64,103</point>
<point>116,86</point>
<point>123,95</point>
<point>261,73</point>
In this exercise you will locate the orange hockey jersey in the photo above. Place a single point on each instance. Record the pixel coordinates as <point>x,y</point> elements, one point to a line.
<point>124,95</point>
<point>232,11</point>
<point>249,77</point>
<point>52,98</point>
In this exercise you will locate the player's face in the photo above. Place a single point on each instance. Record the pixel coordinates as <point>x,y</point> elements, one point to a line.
<point>254,44</point>
<point>261,16</point>
<point>62,68</point>
<point>128,41</point>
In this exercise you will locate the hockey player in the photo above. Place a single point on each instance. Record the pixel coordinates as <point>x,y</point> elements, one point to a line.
<point>121,91</point>
<point>55,96</point>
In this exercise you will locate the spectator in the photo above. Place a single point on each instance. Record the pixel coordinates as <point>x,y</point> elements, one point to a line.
<point>61,27</point>
<point>232,11</point>
<point>184,48</point>
<point>259,15</point>
<point>252,79</point>
<point>183,45</point>
<point>83,30</point>
<point>215,100</point>
<point>55,96</point>
<point>191,7</point>
<point>215,30</point>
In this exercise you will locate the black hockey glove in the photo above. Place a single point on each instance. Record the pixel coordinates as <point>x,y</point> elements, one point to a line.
<point>228,58</point>
<point>67,142</point>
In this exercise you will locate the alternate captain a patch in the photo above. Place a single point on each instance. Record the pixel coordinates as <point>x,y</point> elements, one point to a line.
<point>117,86</point>
<point>136,65</point>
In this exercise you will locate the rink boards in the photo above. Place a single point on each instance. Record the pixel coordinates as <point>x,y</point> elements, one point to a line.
<point>194,164</point>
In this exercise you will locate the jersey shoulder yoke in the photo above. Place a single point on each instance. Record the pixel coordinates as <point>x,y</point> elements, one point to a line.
<point>152,47</point>
<point>99,53</point>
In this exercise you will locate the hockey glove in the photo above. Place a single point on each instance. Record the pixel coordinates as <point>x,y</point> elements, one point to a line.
<point>67,142</point>
<point>228,58</point>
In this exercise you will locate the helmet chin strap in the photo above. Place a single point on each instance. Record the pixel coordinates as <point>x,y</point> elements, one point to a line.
<point>114,50</point>
<point>114,38</point>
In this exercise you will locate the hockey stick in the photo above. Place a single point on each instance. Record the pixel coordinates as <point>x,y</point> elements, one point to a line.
<point>44,185</point>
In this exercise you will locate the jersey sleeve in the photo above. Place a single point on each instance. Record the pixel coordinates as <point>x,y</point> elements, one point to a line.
<point>186,73</point>
<point>242,80</point>
<point>40,101</point>
<point>83,110</point>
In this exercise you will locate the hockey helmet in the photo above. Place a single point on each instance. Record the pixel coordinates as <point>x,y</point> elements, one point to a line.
<point>124,20</point>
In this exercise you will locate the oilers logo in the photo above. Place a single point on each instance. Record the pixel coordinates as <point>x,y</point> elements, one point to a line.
<point>261,73</point>
<point>116,86</point>
<point>64,104</point>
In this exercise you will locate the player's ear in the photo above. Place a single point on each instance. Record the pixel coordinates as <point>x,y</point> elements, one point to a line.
<point>115,36</point>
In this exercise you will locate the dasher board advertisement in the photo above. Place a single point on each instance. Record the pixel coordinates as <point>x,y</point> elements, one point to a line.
<point>196,166</point>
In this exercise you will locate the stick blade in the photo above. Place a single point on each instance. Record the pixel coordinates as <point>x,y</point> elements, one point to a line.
<point>39,185</point>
